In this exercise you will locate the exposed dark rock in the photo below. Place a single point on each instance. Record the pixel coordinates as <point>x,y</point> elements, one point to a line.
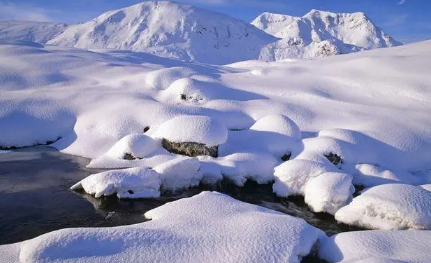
<point>334,158</point>
<point>129,156</point>
<point>146,129</point>
<point>191,149</point>
<point>286,157</point>
<point>35,144</point>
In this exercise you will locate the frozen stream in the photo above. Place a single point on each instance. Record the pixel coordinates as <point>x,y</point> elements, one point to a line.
<point>35,198</point>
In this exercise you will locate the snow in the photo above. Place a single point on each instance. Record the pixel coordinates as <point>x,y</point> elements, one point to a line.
<point>170,30</point>
<point>329,192</point>
<point>126,183</point>
<point>198,129</point>
<point>238,168</point>
<point>377,247</point>
<point>136,145</point>
<point>201,227</point>
<point>389,206</point>
<point>40,32</point>
<point>292,177</point>
<point>179,173</point>
<point>320,34</point>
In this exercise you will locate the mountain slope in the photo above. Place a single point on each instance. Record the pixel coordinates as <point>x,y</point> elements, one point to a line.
<point>170,30</point>
<point>320,33</point>
<point>30,31</point>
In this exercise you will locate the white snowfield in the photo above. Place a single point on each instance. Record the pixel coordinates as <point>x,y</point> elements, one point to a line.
<point>320,34</point>
<point>97,104</point>
<point>377,247</point>
<point>173,30</point>
<point>209,227</point>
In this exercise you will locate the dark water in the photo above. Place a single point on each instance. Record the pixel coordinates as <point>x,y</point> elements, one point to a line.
<point>35,198</point>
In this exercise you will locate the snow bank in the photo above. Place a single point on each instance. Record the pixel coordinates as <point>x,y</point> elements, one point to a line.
<point>179,173</point>
<point>329,192</point>
<point>390,206</point>
<point>377,247</point>
<point>199,129</point>
<point>189,226</point>
<point>126,183</point>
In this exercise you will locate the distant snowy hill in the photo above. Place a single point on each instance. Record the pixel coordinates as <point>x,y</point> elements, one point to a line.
<point>30,31</point>
<point>170,30</point>
<point>320,34</point>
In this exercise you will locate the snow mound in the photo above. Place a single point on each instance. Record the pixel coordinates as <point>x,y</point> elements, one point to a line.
<point>133,146</point>
<point>191,128</point>
<point>276,133</point>
<point>377,247</point>
<point>179,173</point>
<point>371,175</point>
<point>163,78</point>
<point>238,168</point>
<point>171,30</point>
<point>390,206</point>
<point>187,225</point>
<point>329,192</point>
<point>320,34</point>
<point>292,177</point>
<point>126,183</point>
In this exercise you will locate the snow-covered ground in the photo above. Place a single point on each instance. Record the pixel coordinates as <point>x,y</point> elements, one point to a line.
<point>209,227</point>
<point>314,128</point>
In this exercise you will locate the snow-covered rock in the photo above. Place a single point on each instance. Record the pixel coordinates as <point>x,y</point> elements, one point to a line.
<point>292,177</point>
<point>126,183</point>
<point>377,247</point>
<point>389,206</point>
<point>170,30</point>
<point>239,167</point>
<point>320,34</point>
<point>276,133</point>
<point>179,173</point>
<point>329,192</point>
<point>190,128</point>
<point>133,146</point>
<point>209,227</point>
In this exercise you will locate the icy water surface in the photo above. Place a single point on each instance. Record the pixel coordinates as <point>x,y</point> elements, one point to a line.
<point>35,198</point>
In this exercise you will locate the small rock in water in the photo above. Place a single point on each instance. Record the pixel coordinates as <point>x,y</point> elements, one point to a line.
<point>191,149</point>
<point>334,158</point>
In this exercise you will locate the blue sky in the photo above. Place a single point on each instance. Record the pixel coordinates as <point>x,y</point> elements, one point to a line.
<point>406,20</point>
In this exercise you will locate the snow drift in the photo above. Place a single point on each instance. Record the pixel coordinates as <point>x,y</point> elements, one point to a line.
<point>196,229</point>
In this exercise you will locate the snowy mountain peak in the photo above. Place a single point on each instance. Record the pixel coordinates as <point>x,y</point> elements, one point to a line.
<point>320,33</point>
<point>171,30</point>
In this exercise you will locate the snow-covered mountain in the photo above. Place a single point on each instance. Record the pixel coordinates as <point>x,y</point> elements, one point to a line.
<point>40,32</point>
<point>320,34</point>
<point>173,30</point>
<point>170,30</point>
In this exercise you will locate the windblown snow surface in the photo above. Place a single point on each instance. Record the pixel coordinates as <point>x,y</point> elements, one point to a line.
<point>370,109</point>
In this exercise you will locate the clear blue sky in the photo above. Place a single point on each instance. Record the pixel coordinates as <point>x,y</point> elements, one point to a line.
<point>406,20</point>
